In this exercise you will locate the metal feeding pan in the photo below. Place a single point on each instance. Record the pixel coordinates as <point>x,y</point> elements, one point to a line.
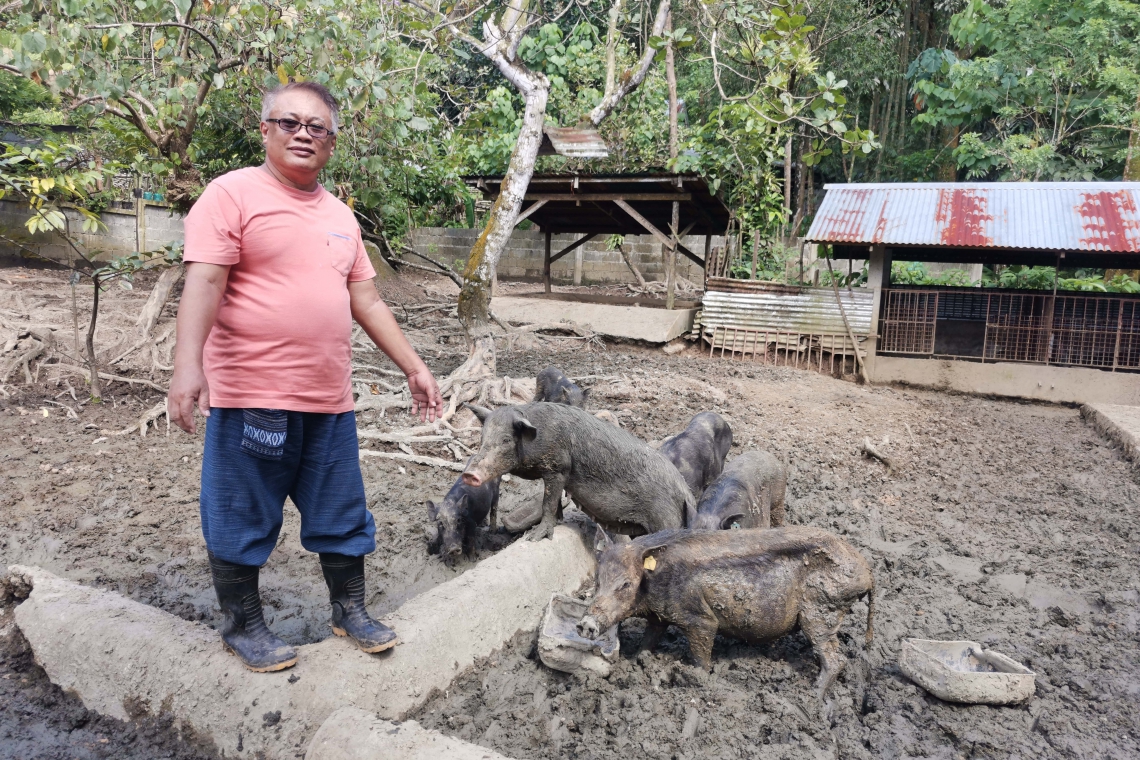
<point>561,648</point>
<point>961,671</point>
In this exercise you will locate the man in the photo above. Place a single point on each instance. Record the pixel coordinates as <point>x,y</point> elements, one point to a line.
<point>275,273</point>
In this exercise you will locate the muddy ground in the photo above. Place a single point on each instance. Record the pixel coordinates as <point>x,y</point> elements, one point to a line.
<point>1006,523</point>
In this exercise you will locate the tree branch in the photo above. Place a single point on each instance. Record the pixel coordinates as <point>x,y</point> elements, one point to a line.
<point>140,25</point>
<point>631,78</point>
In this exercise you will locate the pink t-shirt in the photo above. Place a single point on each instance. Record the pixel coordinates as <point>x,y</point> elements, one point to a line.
<point>282,339</point>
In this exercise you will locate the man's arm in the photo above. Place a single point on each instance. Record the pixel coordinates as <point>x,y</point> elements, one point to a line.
<point>201,295</point>
<point>376,318</point>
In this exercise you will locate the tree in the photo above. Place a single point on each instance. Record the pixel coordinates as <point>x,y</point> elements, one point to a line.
<point>1043,89</point>
<point>152,64</point>
<point>49,178</point>
<point>503,33</point>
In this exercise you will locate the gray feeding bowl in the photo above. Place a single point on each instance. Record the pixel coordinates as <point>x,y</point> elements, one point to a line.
<point>961,671</point>
<point>561,648</point>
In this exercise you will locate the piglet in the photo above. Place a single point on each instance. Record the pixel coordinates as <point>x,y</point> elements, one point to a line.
<point>699,450</point>
<point>754,585</point>
<point>748,494</point>
<point>452,523</point>
<point>552,385</point>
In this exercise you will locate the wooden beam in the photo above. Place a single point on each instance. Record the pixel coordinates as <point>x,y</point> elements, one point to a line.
<point>572,246</point>
<point>662,238</point>
<point>692,256</point>
<point>578,197</point>
<point>530,210</point>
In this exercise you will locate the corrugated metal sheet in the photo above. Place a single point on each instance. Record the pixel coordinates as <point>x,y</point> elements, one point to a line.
<point>574,142</point>
<point>1062,216</point>
<point>761,306</point>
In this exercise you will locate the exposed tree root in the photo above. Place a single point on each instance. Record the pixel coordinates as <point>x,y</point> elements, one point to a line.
<point>151,415</point>
<point>431,461</point>
<point>870,450</point>
<point>107,376</point>
<point>25,347</point>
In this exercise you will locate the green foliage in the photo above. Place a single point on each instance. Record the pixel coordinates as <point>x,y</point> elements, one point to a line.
<point>48,178</point>
<point>19,95</point>
<point>1048,92</point>
<point>915,273</point>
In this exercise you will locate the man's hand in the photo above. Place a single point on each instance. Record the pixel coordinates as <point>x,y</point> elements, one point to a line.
<point>426,401</point>
<point>187,387</point>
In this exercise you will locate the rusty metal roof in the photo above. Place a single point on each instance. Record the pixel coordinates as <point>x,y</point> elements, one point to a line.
<point>573,142</point>
<point>784,308</point>
<point>1051,216</point>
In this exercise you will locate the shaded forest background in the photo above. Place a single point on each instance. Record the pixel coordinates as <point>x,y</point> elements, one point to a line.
<point>848,90</point>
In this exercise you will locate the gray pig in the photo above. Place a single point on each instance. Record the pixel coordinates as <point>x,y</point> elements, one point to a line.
<point>748,494</point>
<point>755,585</point>
<point>616,479</point>
<point>699,450</point>
<point>452,523</point>
<point>553,386</point>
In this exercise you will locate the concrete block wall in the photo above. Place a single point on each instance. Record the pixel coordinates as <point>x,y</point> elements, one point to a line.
<point>524,257</point>
<point>120,234</point>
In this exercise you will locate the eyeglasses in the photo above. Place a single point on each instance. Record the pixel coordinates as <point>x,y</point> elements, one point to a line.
<point>292,125</point>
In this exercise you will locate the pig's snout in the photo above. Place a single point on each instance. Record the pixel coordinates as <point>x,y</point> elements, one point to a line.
<point>472,479</point>
<point>588,627</point>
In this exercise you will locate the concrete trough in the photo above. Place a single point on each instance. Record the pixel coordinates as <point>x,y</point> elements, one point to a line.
<point>353,734</point>
<point>125,659</point>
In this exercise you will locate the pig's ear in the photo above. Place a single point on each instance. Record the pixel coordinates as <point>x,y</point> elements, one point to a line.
<point>479,411</point>
<point>602,540</point>
<point>585,393</point>
<point>433,510</point>
<point>525,429</point>
<point>650,552</point>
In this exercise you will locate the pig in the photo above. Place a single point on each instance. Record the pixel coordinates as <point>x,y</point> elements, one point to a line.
<point>699,450</point>
<point>451,529</point>
<point>553,386</point>
<point>748,494</point>
<point>624,485</point>
<point>755,585</point>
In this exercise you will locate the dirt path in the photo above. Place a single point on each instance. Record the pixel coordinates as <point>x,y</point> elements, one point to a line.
<point>1010,524</point>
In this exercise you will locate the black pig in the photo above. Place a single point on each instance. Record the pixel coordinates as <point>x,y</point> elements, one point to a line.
<point>616,479</point>
<point>453,523</point>
<point>699,450</point>
<point>755,585</point>
<point>748,494</point>
<point>553,386</point>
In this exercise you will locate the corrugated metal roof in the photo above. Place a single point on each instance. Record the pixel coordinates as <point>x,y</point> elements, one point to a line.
<point>1062,216</point>
<point>784,308</point>
<point>573,142</point>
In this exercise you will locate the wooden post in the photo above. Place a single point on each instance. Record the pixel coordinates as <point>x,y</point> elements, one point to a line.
<point>671,261</point>
<point>755,249</point>
<point>708,250</point>
<point>546,264</point>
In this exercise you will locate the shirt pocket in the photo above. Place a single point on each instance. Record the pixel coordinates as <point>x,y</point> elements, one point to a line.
<point>341,252</point>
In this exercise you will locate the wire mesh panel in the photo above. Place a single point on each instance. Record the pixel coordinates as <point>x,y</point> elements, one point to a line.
<point>909,321</point>
<point>1084,331</point>
<point>1016,328</point>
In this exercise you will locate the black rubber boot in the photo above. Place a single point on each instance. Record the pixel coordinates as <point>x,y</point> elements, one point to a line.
<point>345,578</point>
<point>243,627</point>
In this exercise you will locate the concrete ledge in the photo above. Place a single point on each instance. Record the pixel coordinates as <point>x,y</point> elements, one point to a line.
<point>1066,385</point>
<point>1120,424</point>
<point>124,659</point>
<point>352,734</point>
<point>628,322</point>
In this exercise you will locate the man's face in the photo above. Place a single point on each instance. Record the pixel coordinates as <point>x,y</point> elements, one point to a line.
<point>299,156</point>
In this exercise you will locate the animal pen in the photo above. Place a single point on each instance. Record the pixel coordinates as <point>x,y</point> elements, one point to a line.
<point>1036,343</point>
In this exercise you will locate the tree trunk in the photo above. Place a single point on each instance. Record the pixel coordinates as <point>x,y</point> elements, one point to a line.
<point>92,360</point>
<point>787,183</point>
<point>1132,163</point>
<point>674,142</point>
<point>475,296</point>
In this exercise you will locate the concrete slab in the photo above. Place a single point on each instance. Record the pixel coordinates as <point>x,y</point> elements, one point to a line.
<point>354,734</point>
<point>1063,385</point>
<point>627,322</point>
<point>124,659</point>
<point>1120,424</point>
